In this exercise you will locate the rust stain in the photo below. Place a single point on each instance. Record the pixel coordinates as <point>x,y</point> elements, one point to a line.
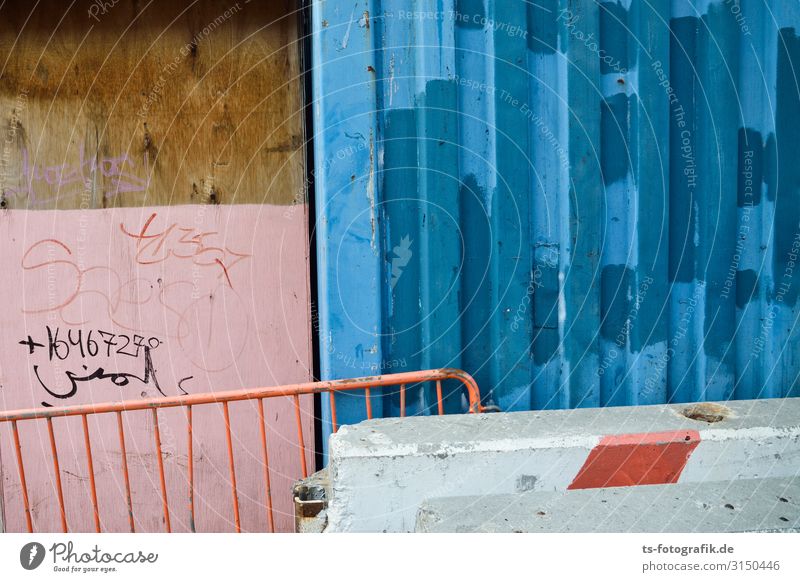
<point>707,412</point>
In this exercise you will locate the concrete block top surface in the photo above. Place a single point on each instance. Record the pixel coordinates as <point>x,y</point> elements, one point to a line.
<point>382,470</point>
<point>428,435</point>
<point>719,506</point>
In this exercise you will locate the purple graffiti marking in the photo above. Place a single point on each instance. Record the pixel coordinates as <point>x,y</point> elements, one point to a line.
<point>118,170</point>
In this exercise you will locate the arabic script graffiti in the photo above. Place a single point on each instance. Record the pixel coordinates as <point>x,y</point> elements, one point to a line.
<point>60,345</point>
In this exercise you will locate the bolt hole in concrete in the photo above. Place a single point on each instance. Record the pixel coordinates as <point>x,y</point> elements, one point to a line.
<point>728,506</point>
<point>707,412</point>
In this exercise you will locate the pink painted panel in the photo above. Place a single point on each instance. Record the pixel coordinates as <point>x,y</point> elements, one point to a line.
<point>105,305</point>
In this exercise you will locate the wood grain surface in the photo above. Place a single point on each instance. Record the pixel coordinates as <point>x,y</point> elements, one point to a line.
<point>135,103</point>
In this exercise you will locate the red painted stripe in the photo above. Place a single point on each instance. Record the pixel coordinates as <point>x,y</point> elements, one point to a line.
<point>637,459</point>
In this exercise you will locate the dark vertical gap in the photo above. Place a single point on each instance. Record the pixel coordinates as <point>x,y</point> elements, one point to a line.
<point>304,16</point>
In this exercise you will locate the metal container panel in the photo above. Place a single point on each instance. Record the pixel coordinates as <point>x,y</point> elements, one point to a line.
<point>580,203</point>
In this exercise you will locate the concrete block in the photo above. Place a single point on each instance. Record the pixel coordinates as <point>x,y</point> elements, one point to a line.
<point>382,470</point>
<point>715,506</point>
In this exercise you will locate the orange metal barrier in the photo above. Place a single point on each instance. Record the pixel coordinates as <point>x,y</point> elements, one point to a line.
<point>293,391</point>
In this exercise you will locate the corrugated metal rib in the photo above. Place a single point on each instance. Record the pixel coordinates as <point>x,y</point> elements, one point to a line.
<point>580,203</point>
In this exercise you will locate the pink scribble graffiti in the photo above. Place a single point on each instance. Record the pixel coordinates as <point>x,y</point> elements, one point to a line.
<point>186,316</point>
<point>184,243</point>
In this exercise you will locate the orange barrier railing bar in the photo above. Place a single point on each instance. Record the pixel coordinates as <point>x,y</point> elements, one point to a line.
<point>263,430</point>
<point>57,473</point>
<point>190,467</point>
<point>294,391</point>
<point>90,462</point>
<point>22,481</point>
<point>124,451</point>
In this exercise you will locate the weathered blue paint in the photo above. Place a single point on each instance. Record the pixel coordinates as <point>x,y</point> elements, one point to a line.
<point>346,131</point>
<point>581,203</point>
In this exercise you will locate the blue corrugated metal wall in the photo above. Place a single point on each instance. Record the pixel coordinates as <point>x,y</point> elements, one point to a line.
<point>580,203</point>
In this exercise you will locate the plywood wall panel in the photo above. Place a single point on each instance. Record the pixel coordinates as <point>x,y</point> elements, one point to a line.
<point>149,104</point>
